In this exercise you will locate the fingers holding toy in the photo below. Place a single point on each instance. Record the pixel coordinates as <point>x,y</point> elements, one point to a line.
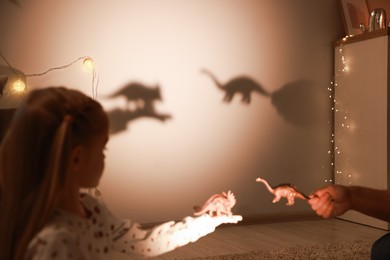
<point>217,210</point>
<point>323,205</point>
<point>330,201</point>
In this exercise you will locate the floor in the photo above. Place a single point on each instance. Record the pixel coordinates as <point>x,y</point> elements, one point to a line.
<point>245,238</point>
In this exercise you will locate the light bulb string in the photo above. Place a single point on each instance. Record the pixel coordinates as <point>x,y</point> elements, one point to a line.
<point>95,83</point>
<point>9,65</point>
<point>56,68</point>
<point>95,76</point>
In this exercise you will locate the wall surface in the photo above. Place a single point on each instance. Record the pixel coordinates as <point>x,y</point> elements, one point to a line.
<point>191,144</point>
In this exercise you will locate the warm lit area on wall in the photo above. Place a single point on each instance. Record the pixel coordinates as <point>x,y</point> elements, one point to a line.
<point>219,113</point>
<point>202,97</point>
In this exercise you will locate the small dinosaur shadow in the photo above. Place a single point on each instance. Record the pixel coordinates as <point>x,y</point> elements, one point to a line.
<point>142,99</point>
<point>240,85</point>
<point>300,103</point>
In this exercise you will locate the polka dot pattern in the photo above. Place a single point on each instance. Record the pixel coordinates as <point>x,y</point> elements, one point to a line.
<point>69,236</point>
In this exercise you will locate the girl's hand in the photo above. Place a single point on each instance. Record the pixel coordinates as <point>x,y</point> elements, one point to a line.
<point>218,220</point>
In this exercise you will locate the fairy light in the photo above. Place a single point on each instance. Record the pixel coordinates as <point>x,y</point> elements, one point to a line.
<point>20,85</point>
<point>331,125</point>
<point>344,123</point>
<point>88,64</point>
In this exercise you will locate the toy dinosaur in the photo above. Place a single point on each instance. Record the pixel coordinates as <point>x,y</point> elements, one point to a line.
<point>217,205</point>
<point>289,191</point>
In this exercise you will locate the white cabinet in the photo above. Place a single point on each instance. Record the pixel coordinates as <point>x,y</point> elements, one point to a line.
<point>361,93</point>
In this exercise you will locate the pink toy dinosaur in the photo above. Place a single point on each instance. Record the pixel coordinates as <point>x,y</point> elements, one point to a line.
<point>289,191</point>
<point>217,205</point>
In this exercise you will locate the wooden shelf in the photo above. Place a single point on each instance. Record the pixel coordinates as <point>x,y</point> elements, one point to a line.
<point>362,37</point>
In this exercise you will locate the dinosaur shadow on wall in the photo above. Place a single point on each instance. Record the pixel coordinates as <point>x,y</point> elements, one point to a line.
<point>298,102</point>
<point>139,103</point>
<point>240,85</point>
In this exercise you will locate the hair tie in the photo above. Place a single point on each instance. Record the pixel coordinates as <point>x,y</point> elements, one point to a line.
<point>68,118</point>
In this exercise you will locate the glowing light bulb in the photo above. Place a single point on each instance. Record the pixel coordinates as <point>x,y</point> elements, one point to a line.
<point>19,85</point>
<point>88,63</point>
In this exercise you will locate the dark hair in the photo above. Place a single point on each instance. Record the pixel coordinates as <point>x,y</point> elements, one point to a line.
<point>34,155</point>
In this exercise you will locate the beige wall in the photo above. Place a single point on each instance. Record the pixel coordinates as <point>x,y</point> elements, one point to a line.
<point>157,171</point>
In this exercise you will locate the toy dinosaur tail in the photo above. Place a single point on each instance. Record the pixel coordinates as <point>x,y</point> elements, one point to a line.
<point>206,206</point>
<point>212,76</point>
<point>262,91</point>
<point>266,184</point>
<point>302,196</point>
<point>197,210</point>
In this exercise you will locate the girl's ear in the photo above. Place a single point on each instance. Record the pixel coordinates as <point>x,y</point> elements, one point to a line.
<point>77,158</point>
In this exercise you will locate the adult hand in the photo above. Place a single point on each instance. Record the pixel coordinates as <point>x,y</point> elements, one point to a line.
<point>331,201</point>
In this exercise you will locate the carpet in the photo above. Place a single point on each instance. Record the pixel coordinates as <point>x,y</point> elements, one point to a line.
<point>351,250</point>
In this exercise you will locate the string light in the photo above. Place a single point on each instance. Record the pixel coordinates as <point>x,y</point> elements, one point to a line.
<point>88,63</point>
<point>335,150</point>
<point>331,123</point>
<point>19,85</point>
<point>344,123</point>
<point>95,81</point>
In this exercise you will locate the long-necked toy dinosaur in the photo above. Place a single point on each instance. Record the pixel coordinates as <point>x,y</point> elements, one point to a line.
<point>286,190</point>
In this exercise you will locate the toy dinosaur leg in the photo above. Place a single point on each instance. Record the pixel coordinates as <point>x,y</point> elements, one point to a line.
<point>290,200</point>
<point>246,98</point>
<point>276,199</point>
<point>228,97</point>
<point>229,212</point>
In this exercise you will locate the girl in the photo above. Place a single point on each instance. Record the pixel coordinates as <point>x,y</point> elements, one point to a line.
<point>53,148</point>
